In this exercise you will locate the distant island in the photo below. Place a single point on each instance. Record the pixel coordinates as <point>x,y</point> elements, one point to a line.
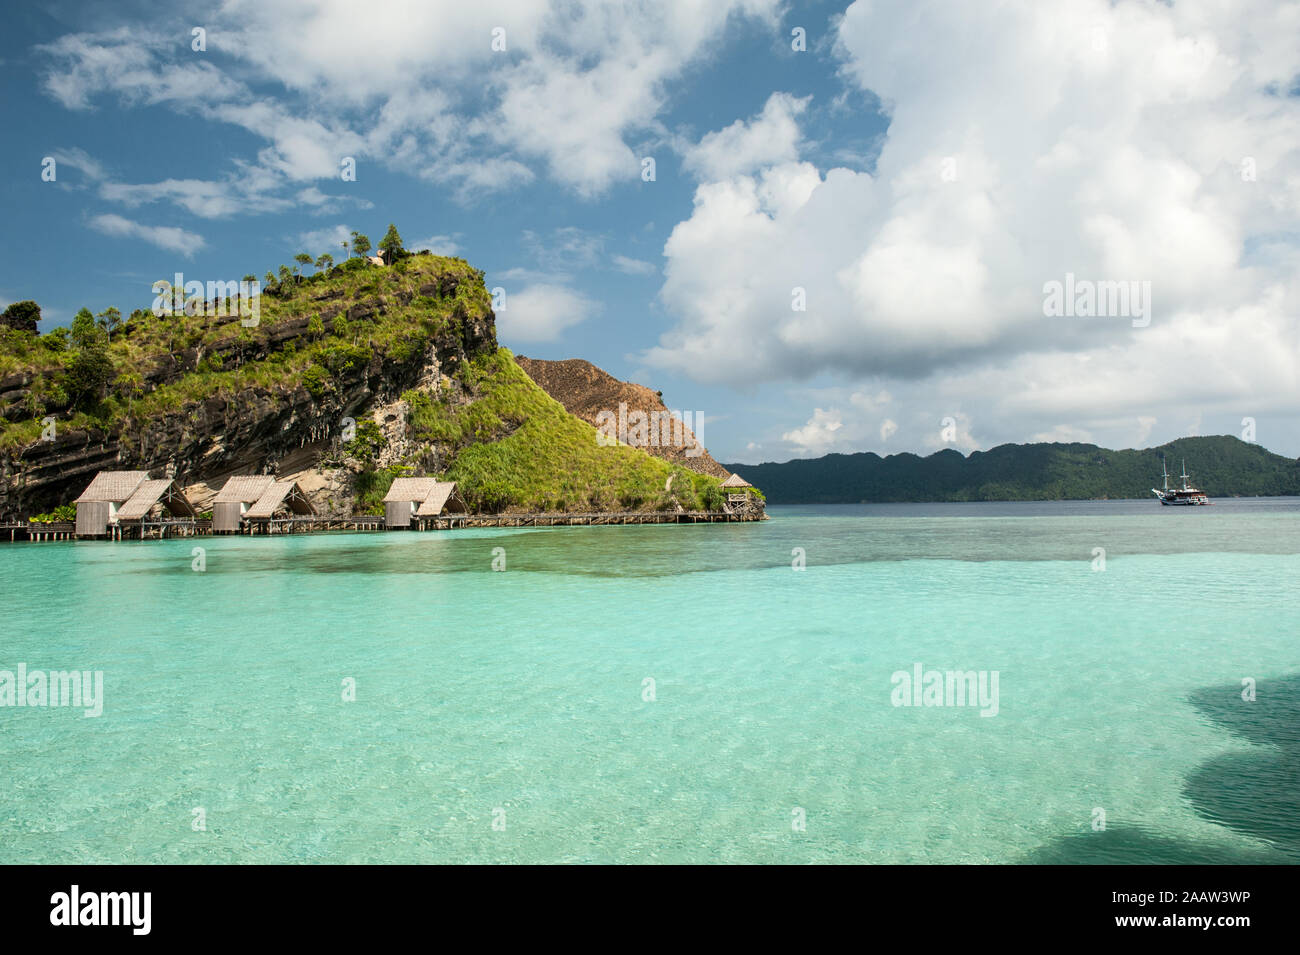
<point>1222,465</point>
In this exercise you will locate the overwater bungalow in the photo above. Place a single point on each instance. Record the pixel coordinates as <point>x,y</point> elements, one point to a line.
<point>154,498</point>
<point>99,503</point>
<point>117,498</point>
<point>257,498</point>
<point>236,496</point>
<point>283,499</point>
<point>417,501</point>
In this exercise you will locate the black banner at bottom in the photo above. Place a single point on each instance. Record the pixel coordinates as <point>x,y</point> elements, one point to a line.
<point>336,904</point>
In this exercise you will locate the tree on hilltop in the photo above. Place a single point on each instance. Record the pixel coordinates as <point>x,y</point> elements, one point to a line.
<point>391,243</point>
<point>84,332</point>
<point>21,316</point>
<point>109,321</point>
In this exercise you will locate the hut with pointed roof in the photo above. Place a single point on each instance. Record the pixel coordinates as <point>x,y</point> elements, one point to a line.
<point>735,487</point>
<point>153,498</point>
<point>236,496</point>
<point>280,499</point>
<point>444,499</point>
<point>99,504</point>
<point>417,501</point>
<point>116,498</point>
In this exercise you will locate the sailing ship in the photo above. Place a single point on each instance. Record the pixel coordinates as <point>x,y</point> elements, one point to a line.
<point>1186,495</point>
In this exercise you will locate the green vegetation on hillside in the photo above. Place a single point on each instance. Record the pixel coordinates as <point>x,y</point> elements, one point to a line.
<point>88,381</point>
<point>345,335</point>
<point>1221,466</point>
<point>516,447</point>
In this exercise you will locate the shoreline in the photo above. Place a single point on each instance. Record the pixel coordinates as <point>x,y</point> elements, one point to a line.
<point>29,532</point>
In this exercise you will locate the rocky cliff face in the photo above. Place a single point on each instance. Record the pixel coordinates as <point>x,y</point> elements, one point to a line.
<point>586,391</point>
<point>399,328</point>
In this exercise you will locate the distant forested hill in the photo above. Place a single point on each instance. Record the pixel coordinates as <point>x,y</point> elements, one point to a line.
<point>1222,466</point>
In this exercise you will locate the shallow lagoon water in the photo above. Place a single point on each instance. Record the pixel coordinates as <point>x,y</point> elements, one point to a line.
<point>523,691</point>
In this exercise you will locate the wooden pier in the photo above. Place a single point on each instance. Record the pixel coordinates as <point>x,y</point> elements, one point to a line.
<point>38,531</point>
<point>311,525</point>
<point>187,527</point>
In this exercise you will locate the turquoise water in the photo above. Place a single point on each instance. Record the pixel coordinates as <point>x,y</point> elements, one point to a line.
<point>522,691</point>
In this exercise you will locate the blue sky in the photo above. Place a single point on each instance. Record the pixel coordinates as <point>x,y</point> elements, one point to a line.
<point>920,171</point>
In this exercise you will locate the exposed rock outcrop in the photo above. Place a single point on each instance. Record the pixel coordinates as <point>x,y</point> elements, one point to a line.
<point>586,391</point>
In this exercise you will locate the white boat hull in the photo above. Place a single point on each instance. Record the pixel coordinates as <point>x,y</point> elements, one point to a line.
<point>1170,500</point>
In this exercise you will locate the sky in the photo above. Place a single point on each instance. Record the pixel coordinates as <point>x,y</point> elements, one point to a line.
<point>824,227</point>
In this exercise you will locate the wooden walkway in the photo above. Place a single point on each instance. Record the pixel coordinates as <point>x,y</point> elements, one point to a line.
<point>312,525</point>
<point>25,531</point>
<point>449,521</point>
<point>165,529</point>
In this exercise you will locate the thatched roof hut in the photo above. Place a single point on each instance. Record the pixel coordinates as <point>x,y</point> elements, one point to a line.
<point>443,499</point>
<point>243,489</point>
<point>420,498</point>
<point>99,503</point>
<point>737,489</point>
<point>282,497</point>
<point>257,497</point>
<point>160,495</point>
<point>236,496</point>
<point>112,486</point>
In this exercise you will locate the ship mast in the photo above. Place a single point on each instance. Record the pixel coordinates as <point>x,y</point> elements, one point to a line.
<point>1184,474</point>
<point>1165,471</point>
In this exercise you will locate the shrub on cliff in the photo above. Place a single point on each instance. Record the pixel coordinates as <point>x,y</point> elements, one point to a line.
<point>88,377</point>
<point>316,379</point>
<point>367,444</point>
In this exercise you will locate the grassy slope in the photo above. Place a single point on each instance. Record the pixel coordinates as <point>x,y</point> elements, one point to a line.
<point>517,448</point>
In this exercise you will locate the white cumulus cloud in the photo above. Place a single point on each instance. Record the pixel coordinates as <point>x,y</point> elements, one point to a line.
<point>171,238</point>
<point>1026,141</point>
<point>541,312</point>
